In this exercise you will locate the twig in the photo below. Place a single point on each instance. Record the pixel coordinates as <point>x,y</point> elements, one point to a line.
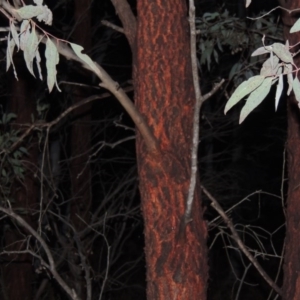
<point>113,26</point>
<point>128,20</point>
<point>52,269</point>
<point>196,119</point>
<point>129,23</point>
<point>240,243</point>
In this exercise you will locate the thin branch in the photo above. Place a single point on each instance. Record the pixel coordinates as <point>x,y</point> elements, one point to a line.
<point>129,23</point>
<point>196,119</point>
<point>109,84</point>
<point>128,20</point>
<point>240,243</point>
<point>52,269</point>
<point>216,87</point>
<point>113,26</point>
<point>54,122</point>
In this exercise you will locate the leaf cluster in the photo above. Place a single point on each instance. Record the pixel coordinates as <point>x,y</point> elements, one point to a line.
<point>220,32</point>
<point>11,162</point>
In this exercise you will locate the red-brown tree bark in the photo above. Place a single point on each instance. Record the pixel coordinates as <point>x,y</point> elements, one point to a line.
<point>164,94</point>
<point>291,284</point>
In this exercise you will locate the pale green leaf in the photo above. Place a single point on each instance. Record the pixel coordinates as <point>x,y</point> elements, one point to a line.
<point>296,88</point>
<point>269,66</point>
<point>14,34</point>
<point>282,52</point>
<point>38,2</point>
<point>31,47</point>
<point>288,69</point>
<point>262,50</point>
<point>46,16</point>
<point>244,89</point>
<point>85,58</point>
<point>24,33</point>
<point>9,55</point>
<point>38,64</point>
<point>279,90</point>
<point>52,59</point>
<point>255,98</point>
<point>30,11</point>
<point>295,27</point>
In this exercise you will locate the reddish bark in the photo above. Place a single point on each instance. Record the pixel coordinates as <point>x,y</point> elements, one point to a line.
<point>291,284</point>
<point>164,94</point>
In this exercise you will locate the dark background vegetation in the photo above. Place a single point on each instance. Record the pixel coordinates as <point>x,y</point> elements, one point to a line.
<point>235,161</point>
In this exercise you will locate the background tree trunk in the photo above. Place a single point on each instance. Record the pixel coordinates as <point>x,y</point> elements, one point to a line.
<point>164,94</point>
<point>18,268</point>
<point>81,130</point>
<point>80,170</point>
<point>291,284</point>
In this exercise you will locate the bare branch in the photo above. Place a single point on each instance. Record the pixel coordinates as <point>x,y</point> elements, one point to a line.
<point>128,20</point>
<point>113,26</point>
<point>119,93</point>
<point>196,125</point>
<point>240,243</point>
<point>199,99</point>
<point>129,23</point>
<point>52,269</point>
<point>213,91</point>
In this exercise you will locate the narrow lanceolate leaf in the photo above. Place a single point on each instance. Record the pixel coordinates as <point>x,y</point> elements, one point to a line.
<point>52,59</point>
<point>9,55</point>
<point>255,98</point>
<point>24,33</point>
<point>282,52</point>
<point>279,90</point>
<point>31,47</point>
<point>30,11</point>
<point>38,2</point>
<point>244,89</point>
<point>270,66</point>
<point>262,50</point>
<point>14,34</point>
<point>78,49</point>
<point>295,27</point>
<point>46,16</point>
<point>296,89</point>
<point>38,64</point>
<point>288,69</point>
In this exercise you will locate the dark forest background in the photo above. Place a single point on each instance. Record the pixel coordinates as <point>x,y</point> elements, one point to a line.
<point>77,183</point>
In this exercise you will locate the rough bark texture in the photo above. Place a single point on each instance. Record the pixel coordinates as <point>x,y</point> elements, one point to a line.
<point>291,284</point>
<point>176,263</point>
<point>18,269</point>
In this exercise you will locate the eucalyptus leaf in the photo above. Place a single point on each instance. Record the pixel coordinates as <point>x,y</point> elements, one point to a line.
<point>244,89</point>
<point>255,98</point>
<point>295,27</point>
<point>279,90</point>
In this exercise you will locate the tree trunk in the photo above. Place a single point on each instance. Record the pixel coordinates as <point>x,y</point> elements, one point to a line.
<point>81,131</point>
<point>291,284</point>
<point>18,269</point>
<point>80,146</point>
<point>164,94</point>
